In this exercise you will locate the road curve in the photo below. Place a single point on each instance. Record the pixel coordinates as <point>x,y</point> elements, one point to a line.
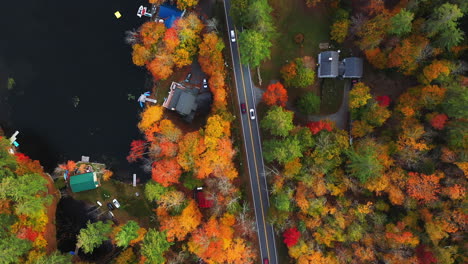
<point>253,147</point>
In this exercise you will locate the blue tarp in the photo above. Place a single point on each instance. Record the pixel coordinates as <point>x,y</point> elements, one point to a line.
<point>169,14</point>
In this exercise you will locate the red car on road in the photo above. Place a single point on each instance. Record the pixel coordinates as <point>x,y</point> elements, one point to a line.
<point>243,109</point>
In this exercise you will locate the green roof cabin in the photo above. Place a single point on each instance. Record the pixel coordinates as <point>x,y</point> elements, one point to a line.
<point>84,182</point>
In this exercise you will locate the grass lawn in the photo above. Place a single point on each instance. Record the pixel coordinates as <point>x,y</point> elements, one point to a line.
<point>291,18</point>
<point>331,95</point>
<point>131,207</point>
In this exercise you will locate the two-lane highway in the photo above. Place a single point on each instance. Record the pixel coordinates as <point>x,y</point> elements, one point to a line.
<point>253,147</point>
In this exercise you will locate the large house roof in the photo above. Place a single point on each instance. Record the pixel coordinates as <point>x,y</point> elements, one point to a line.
<point>84,182</point>
<point>181,99</point>
<point>331,67</point>
<point>328,64</point>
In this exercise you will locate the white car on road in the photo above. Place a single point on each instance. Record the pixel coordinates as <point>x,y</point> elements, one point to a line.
<point>252,114</point>
<point>233,35</point>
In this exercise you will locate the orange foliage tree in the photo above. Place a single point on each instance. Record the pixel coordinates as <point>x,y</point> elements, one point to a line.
<point>435,70</point>
<point>171,40</point>
<point>177,227</point>
<point>161,66</point>
<point>212,63</point>
<point>275,95</point>
<point>211,239</point>
<point>422,187</point>
<point>405,55</point>
<point>151,32</point>
<point>376,57</point>
<point>166,172</point>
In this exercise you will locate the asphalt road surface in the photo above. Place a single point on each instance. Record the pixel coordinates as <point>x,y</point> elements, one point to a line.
<point>253,147</point>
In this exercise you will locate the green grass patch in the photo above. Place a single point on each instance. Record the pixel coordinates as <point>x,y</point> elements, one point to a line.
<point>131,207</point>
<point>331,95</point>
<point>292,17</point>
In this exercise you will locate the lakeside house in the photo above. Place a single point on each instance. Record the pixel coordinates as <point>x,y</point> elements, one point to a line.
<point>169,14</point>
<point>329,66</point>
<point>181,99</point>
<point>84,182</point>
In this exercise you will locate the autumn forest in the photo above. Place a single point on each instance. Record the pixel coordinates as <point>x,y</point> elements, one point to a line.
<point>380,178</point>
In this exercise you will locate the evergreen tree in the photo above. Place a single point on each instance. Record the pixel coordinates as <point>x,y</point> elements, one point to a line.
<point>400,24</point>
<point>278,121</point>
<point>154,245</point>
<point>93,236</point>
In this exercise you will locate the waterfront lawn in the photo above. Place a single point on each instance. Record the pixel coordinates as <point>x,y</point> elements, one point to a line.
<point>131,207</point>
<point>292,17</point>
<point>331,95</point>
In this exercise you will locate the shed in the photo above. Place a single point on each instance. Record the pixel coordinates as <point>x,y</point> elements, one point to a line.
<point>328,64</point>
<point>84,182</point>
<point>202,201</point>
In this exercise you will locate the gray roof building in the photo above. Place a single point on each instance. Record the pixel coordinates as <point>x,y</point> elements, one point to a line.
<point>328,64</point>
<point>352,67</point>
<point>331,67</point>
<point>181,99</point>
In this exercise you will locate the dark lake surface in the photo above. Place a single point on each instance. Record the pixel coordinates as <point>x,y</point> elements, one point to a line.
<point>56,51</point>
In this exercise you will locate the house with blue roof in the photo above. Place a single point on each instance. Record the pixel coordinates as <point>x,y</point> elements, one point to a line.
<point>169,14</point>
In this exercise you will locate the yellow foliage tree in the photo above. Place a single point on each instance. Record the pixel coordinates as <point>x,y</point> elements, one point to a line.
<point>149,116</point>
<point>107,175</point>
<point>359,95</point>
<point>339,30</point>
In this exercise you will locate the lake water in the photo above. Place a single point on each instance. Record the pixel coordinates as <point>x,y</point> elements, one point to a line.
<point>56,52</point>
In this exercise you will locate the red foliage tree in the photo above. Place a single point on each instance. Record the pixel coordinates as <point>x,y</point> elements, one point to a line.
<point>137,149</point>
<point>27,165</point>
<point>318,126</point>
<point>438,121</point>
<point>27,233</point>
<point>424,255</point>
<point>383,101</point>
<point>166,172</point>
<point>275,95</point>
<point>291,236</point>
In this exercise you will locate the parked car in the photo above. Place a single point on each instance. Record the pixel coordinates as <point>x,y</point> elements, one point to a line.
<point>205,83</point>
<point>99,203</point>
<point>116,203</point>
<point>188,77</point>
<point>252,114</point>
<point>265,261</point>
<point>243,109</point>
<point>110,206</point>
<point>233,36</point>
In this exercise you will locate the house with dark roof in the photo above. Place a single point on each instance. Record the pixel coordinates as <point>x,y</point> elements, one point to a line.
<point>84,182</point>
<point>329,66</point>
<point>169,14</point>
<point>181,99</point>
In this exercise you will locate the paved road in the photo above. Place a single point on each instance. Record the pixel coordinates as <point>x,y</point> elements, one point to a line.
<point>253,147</point>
